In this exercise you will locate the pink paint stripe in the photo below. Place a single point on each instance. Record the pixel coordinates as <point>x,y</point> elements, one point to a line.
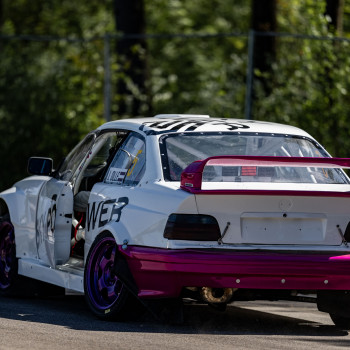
<point>164,273</point>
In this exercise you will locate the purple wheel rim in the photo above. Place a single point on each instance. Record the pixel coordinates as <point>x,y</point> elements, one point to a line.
<point>7,254</point>
<point>103,286</point>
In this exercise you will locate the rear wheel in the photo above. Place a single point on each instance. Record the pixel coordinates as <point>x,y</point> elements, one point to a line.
<point>340,321</point>
<point>105,293</point>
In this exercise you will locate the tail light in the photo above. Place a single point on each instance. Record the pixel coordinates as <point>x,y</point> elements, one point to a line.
<point>192,227</point>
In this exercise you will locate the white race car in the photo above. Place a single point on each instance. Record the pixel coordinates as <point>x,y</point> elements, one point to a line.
<point>179,206</point>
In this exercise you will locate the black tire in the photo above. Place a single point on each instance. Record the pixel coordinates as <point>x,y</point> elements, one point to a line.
<point>340,321</point>
<point>106,295</point>
<point>8,260</point>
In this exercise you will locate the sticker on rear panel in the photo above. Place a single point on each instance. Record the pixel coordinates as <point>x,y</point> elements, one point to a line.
<point>116,175</point>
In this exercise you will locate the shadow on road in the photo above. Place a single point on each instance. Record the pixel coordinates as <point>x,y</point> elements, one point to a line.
<point>72,312</point>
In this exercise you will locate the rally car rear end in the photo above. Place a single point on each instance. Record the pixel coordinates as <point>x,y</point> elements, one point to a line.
<point>253,239</point>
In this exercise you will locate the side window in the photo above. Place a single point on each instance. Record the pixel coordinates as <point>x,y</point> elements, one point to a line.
<point>100,153</point>
<point>75,157</point>
<point>94,166</point>
<point>128,165</point>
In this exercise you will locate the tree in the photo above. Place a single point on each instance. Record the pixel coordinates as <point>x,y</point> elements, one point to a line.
<point>334,13</point>
<point>50,91</point>
<point>311,78</point>
<point>198,75</point>
<point>131,92</point>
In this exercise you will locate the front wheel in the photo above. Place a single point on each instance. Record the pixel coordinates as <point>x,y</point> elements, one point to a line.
<point>8,260</point>
<point>340,321</point>
<point>105,293</point>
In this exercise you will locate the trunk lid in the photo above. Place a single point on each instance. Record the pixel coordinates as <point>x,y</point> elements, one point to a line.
<point>277,219</point>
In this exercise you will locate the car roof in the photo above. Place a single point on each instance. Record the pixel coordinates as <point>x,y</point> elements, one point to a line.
<point>166,123</point>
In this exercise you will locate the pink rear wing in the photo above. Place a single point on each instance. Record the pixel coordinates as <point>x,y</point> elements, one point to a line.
<point>191,177</point>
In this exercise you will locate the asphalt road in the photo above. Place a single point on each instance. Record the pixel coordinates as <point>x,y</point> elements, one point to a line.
<point>66,323</point>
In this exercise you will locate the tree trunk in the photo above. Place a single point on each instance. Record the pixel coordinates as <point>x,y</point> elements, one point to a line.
<point>335,10</point>
<point>1,21</point>
<point>131,85</point>
<point>264,20</point>
<point>1,15</point>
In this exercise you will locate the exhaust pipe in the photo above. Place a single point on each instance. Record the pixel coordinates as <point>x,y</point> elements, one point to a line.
<point>217,295</point>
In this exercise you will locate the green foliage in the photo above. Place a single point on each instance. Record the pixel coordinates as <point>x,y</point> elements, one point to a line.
<point>198,75</point>
<point>51,92</point>
<point>310,79</point>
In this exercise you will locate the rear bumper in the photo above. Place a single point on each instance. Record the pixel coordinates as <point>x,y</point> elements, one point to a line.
<point>162,273</point>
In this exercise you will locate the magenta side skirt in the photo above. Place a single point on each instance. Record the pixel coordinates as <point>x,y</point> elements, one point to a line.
<point>162,273</point>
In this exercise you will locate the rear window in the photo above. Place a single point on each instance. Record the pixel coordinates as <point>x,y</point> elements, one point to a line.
<point>180,150</point>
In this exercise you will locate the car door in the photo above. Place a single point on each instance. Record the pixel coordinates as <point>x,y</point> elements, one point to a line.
<point>109,198</point>
<point>55,207</point>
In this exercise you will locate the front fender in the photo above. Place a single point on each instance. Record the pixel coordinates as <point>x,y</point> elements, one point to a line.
<point>21,201</point>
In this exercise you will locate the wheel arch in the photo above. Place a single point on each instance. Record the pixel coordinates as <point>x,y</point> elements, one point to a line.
<point>8,200</point>
<point>4,209</point>
<point>121,266</point>
<point>115,229</point>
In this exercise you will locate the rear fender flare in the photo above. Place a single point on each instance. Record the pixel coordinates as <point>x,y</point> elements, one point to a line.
<point>116,229</point>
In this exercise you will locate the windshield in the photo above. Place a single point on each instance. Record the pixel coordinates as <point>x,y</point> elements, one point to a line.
<point>180,150</point>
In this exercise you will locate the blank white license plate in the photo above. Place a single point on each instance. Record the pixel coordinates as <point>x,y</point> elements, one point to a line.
<point>283,228</point>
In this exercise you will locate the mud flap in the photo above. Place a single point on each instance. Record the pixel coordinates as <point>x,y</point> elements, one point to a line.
<point>163,310</point>
<point>336,302</point>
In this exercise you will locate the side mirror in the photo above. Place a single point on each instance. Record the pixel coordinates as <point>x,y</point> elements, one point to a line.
<point>40,166</point>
